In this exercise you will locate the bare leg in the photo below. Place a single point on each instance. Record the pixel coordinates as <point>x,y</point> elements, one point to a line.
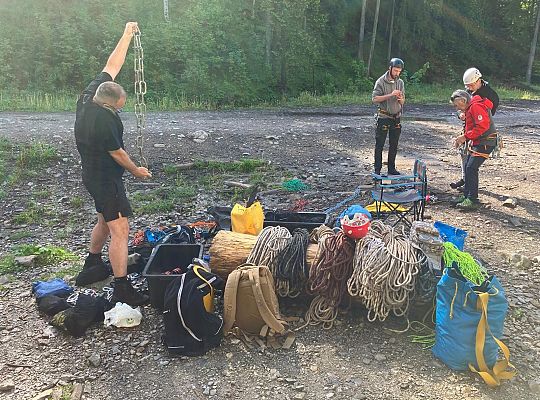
<point>100,234</point>
<point>118,248</point>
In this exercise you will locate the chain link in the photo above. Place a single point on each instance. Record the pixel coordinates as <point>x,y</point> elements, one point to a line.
<point>140,91</point>
<point>166,10</point>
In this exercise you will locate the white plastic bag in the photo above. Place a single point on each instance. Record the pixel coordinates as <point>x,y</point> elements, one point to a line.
<point>123,316</point>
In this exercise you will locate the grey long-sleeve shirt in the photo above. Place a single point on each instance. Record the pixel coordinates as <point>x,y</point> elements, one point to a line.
<point>385,85</point>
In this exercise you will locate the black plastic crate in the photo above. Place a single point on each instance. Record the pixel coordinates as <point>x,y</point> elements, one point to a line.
<point>292,220</point>
<point>166,257</point>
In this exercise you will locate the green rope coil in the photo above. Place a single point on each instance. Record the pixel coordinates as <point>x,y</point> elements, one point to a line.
<point>294,185</point>
<point>467,265</point>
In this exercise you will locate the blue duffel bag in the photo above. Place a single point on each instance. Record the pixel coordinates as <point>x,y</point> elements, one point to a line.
<point>469,321</point>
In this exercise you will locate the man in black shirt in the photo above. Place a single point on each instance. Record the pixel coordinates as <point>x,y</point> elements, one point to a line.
<point>98,134</point>
<point>475,85</point>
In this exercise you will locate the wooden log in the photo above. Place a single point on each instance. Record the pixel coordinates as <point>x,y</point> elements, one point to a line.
<point>231,249</point>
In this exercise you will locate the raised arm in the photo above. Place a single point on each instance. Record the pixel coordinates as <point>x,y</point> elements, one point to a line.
<point>118,56</point>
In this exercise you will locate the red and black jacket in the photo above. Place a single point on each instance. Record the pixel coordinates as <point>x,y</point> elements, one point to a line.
<point>479,126</point>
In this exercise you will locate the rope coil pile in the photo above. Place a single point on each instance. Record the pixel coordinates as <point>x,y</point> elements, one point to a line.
<point>386,264</point>
<point>289,267</point>
<point>328,276</point>
<point>270,242</point>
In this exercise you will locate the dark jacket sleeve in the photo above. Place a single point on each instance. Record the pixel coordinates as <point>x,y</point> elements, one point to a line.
<point>91,89</point>
<point>488,93</point>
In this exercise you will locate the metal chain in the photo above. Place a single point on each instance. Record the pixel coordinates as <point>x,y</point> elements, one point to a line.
<point>166,10</point>
<point>140,91</point>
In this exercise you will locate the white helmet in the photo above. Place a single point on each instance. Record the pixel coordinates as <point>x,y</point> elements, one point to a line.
<point>471,76</point>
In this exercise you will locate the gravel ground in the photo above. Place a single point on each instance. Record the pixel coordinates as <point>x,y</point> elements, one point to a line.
<point>331,150</point>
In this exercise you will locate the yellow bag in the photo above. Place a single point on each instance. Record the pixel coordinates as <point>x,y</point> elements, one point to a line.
<point>247,220</point>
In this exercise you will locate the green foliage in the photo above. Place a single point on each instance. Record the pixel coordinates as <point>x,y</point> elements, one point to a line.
<point>230,53</point>
<point>76,202</point>
<point>46,255</point>
<point>8,264</point>
<point>245,166</point>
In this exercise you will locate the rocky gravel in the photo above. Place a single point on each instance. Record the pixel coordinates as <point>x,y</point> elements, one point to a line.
<point>331,151</point>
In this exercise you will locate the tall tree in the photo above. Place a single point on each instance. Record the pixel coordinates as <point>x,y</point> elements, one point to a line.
<point>533,45</point>
<point>361,33</point>
<point>375,23</point>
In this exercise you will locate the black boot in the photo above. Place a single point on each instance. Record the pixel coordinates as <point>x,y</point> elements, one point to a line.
<point>94,270</point>
<point>458,184</point>
<point>125,293</point>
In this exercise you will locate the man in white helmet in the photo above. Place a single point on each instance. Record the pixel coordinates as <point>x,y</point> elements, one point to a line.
<point>476,86</point>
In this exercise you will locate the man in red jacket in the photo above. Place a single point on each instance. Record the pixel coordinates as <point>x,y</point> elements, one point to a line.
<point>480,130</point>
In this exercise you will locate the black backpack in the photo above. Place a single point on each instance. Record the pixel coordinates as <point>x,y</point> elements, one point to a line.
<point>190,330</point>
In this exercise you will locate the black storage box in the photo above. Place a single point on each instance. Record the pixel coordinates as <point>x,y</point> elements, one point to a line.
<point>292,220</point>
<point>166,257</point>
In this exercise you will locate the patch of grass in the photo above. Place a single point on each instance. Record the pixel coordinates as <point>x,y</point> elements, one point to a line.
<point>36,155</point>
<point>71,270</point>
<point>32,214</point>
<point>42,194</point>
<point>37,101</point>
<point>76,202</point>
<point>170,169</point>
<point>163,199</point>
<point>46,255</point>
<point>8,265</point>
<point>21,235</point>
<point>244,166</point>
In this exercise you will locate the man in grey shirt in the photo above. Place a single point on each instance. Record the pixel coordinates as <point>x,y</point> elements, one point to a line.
<point>389,95</point>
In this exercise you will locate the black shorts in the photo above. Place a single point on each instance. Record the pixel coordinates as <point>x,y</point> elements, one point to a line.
<point>110,198</point>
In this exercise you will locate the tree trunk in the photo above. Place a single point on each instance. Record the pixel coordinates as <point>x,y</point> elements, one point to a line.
<point>391,30</point>
<point>361,33</point>
<point>533,45</point>
<point>268,39</point>
<point>230,250</point>
<point>375,22</point>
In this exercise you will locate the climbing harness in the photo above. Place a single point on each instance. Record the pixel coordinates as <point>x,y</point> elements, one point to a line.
<point>140,91</point>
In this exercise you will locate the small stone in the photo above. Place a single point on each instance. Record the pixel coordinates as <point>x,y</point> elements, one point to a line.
<point>94,360</point>
<point>7,385</point>
<point>299,396</point>
<point>534,386</point>
<point>380,357</point>
<point>366,361</point>
<point>510,203</point>
<point>206,391</point>
<point>330,395</point>
<point>26,261</point>
<point>159,145</point>
<point>213,392</point>
<point>43,395</point>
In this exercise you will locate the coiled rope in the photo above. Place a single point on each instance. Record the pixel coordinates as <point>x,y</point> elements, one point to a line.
<point>270,242</point>
<point>328,276</point>
<point>386,264</point>
<point>289,267</point>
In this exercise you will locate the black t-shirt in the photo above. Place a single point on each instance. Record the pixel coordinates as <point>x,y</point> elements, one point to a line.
<point>97,131</point>
<point>487,92</point>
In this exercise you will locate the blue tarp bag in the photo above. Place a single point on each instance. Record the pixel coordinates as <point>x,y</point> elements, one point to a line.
<point>469,321</point>
<point>55,286</point>
<point>451,234</point>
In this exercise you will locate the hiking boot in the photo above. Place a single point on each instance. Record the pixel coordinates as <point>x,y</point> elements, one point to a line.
<point>94,270</point>
<point>458,184</point>
<point>468,204</point>
<point>125,293</point>
<point>394,172</point>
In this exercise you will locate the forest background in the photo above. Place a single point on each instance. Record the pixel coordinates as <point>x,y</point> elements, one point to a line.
<point>237,53</point>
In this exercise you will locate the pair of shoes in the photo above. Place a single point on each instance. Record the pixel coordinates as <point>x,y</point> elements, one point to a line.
<point>394,172</point>
<point>93,272</point>
<point>468,204</point>
<point>125,293</point>
<point>458,184</point>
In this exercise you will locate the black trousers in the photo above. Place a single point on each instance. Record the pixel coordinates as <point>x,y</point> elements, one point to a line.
<point>471,170</point>
<point>387,127</point>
